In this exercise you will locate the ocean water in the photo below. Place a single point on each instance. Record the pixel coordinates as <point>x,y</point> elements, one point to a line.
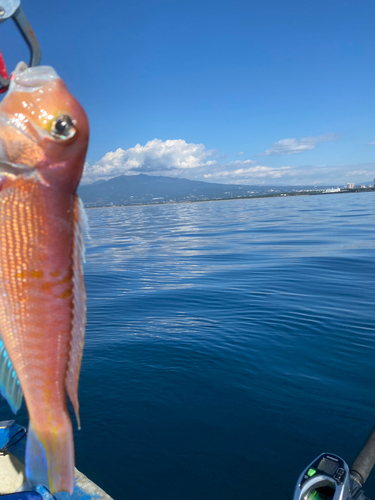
<point>228,344</point>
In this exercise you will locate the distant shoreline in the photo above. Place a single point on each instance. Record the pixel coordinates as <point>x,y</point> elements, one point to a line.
<point>270,195</point>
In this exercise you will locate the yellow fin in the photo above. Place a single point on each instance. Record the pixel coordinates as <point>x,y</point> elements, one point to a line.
<point>49,458</point>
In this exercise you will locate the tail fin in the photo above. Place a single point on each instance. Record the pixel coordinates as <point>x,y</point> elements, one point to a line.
<point>50,458</point>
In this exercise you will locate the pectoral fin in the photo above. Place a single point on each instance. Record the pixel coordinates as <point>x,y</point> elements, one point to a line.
<point>79,312</point>
<point>10,386</point>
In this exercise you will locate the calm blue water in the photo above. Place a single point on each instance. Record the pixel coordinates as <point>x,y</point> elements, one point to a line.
<point>228,344</point>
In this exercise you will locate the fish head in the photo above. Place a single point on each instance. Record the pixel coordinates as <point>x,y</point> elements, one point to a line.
<point>44,130</point>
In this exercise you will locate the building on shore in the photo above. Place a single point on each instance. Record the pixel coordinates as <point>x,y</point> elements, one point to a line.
<point>351,185</point>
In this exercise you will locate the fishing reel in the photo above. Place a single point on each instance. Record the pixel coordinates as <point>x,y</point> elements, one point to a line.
<point>329,477</point>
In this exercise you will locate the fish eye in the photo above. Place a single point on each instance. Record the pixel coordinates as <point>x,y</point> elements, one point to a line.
<point>63,127</point>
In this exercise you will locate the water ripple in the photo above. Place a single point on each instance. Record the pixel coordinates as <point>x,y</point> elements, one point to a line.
<point>225,336</point>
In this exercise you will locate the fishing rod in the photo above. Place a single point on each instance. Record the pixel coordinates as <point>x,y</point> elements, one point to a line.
<point>11,9</point>
<point>329,477</point>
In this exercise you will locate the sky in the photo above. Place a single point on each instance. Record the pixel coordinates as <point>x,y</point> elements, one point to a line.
<point>230,91</point>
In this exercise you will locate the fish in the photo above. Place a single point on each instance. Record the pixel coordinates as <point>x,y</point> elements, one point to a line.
<point>44,134</point>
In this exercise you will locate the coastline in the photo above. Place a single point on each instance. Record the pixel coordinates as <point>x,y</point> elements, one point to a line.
<point>270,195</point>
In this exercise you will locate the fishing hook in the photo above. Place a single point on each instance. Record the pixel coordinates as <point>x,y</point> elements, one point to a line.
<point>12,9</point>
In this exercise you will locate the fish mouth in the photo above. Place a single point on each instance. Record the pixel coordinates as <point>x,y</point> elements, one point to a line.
<point>25,79</point>
<point>6,166</point>
<point>21,125</point>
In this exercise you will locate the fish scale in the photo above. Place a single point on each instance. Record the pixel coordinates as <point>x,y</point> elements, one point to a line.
<point>29,303</point>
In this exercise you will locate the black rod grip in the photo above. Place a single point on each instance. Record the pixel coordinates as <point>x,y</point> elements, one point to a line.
<point>365,460</point>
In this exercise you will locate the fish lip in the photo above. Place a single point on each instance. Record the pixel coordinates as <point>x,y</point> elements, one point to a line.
<point>25,79</point>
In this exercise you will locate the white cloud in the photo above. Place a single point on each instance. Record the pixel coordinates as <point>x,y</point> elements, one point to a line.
<point>372,143</point>
<point>177,158</point>
<point>294,146</point>
<point>251,172</point>
<point>363,173</point>
<point>302,175</point>
<point>155,156</point>
<point>241,153</point>
<point>172,157</point>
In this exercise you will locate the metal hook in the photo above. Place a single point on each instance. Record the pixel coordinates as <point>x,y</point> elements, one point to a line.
<point>12,9</point>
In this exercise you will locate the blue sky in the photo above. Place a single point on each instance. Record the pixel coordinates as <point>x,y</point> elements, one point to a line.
<point>224,91</point>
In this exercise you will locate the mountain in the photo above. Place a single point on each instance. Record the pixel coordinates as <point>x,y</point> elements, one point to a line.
<point>144,189</point>
<point>136,189</point>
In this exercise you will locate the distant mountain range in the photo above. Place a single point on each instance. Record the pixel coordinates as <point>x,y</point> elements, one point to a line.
<point>146,189</point>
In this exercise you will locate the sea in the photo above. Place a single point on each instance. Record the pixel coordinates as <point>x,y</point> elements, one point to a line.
<point>228,344</point>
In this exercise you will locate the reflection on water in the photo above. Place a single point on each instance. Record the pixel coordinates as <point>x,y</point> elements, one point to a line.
<point>228,343</point>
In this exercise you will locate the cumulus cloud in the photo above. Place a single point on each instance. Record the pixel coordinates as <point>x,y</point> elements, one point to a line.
<point>177,158</point>
<point>155,156</point>
<point>294,146</point>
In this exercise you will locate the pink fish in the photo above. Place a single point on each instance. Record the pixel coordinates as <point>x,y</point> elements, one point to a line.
<point>43,141</point>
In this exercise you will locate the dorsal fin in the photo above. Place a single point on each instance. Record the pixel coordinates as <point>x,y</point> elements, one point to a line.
<point>79,313</point>
<point>10,386</point>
